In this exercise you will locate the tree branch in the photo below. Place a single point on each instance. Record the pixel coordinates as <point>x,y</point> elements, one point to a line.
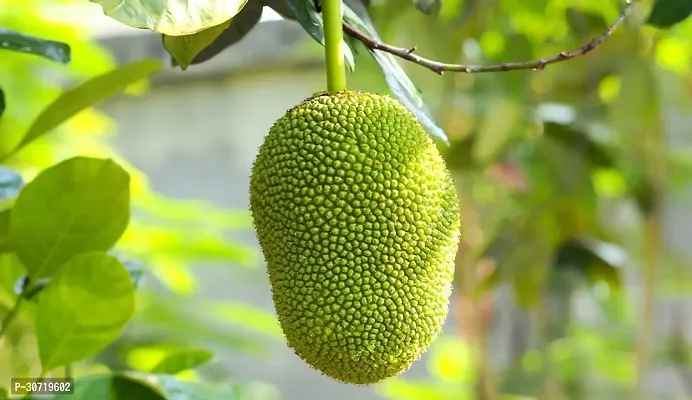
<point>439,67</point>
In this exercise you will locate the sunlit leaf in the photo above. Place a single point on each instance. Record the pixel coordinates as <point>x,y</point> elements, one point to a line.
<point>179,321</point>
<point>78,205</point>
<point>167,358</point>
<point>202,46</point>
<point>50,49</point>
<point>397,80</point>
<point>245,315</point>
<point>403,389</point>
<point>85,308</point>
<point>666,13</point>
<point>311,21</point>
<point>192,244</point>
<point>452,359</point>
<point>87,95</point>
<point>173,18</point>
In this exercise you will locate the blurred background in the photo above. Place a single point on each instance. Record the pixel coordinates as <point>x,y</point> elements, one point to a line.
<point>574,276</point>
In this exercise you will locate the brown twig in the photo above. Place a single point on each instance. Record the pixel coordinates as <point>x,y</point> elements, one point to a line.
<point>440,67</point>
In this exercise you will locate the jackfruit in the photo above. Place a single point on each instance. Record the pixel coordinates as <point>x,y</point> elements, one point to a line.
<point>357,216</point>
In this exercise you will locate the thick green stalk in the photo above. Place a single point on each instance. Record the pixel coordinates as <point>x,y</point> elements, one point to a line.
<point>333,45</point>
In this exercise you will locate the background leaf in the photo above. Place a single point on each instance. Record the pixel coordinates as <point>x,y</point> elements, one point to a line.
<point>666,13</point>
<point>174,389</point>
<point>88,94</point>
<point>79,205</point>
<point>172,18</point>
<point>111,387</point>
<point>50,49</point>
<point>167,359</point>
<point>207,45</point>
<point>84,308</point>
<point>397,80</point>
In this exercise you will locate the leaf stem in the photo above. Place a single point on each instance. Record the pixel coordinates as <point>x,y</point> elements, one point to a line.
<point>333,45</point>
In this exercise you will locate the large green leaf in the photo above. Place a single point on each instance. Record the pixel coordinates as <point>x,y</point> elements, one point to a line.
<point>111,387</point>
<point>83,309</point>
<point>202,46</point>
<point>28,289</point>
<point>311,21</point>
<point>50,49</point>
<point>666,13</point>
<point>86,95</point>
<point>79,205</point>
<point>172,17</point>
<point>397,80</point>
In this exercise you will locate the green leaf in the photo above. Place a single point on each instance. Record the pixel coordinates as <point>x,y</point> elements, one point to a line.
<point>50,49</point>
<point>404,389</point>
<point>247,316</point>
<point>86,95</point>
<point>184,49</point>
<point>174,389</point>
<point>111,387</point>
<point>30,292</point>
<point>452,359</point>
<point>173,18</point>
<point>576,254</point>
<point>166,358</point>
<point>594,153</point>
<point>202,46</point>
<point>666,13</point>
<point>428,7</point>
<point>397,80</point>
<point>83,309</point>
<point>311,21</point>
<point>173,360</point>
<point>79,205</point>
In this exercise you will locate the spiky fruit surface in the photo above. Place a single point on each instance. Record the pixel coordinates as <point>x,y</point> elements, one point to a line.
<point>357,217</point>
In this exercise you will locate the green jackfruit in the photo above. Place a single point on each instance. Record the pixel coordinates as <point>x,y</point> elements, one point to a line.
<point>358,219</point>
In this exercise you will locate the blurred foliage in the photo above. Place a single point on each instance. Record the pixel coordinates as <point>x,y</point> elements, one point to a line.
<point>75,299</point>
<point>563,174</point>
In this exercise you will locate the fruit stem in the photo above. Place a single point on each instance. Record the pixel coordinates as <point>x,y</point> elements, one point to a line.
<point>333,45</point>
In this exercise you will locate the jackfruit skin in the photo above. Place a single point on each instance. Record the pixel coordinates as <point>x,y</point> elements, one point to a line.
<point>358,219</point>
